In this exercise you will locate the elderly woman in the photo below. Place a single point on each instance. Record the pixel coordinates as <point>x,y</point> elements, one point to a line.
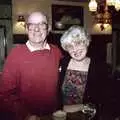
<point>85,78</point>
<point>75,41</point>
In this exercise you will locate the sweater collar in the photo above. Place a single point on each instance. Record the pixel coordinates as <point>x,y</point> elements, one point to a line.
<point>32,49</point>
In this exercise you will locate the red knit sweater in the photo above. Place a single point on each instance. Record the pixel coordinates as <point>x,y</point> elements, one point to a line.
<point>30,79</point>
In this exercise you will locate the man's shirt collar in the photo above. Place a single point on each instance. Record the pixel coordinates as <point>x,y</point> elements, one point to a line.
<point>32,49</point>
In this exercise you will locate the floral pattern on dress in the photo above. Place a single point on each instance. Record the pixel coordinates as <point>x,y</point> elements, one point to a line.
<point>74,86</point>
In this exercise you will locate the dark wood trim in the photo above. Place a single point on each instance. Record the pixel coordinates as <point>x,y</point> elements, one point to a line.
<point>8,18</point>
<point>20,38</point>
<point>5,40</point>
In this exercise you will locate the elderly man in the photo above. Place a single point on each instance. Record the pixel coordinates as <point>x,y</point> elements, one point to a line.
<point>30,74</point>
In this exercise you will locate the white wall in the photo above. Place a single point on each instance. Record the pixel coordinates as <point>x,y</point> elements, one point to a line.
<point>24,7</point>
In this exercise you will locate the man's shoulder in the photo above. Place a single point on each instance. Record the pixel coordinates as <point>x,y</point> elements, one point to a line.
<point>53,46</point>
<point>56,50</point>
<point>17,50</point>
<point>18,47</point>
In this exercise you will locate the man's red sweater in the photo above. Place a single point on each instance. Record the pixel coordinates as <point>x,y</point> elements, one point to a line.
<point>30,79</point>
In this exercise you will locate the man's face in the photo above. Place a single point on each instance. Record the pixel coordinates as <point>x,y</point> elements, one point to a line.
<point>37,28</point>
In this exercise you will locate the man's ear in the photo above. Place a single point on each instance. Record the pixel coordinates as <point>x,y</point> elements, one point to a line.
<point>49,28</point>
<point>26,28</point>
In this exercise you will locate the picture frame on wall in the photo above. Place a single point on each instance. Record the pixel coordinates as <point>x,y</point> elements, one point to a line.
<point>116,48</point>
<point>64,16</point>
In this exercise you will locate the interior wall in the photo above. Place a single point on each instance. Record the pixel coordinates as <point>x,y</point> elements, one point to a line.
<point>25,7</point>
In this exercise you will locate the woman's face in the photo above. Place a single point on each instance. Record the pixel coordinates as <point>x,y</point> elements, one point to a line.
<point>77,52</point>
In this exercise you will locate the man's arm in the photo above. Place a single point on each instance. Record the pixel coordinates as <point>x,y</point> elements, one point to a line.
<point>9,86</point>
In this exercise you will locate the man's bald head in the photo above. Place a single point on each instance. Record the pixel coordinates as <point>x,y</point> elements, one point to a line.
<point>37,17</point>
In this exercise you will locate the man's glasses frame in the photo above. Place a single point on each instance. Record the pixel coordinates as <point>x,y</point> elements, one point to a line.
<point>33,26</point>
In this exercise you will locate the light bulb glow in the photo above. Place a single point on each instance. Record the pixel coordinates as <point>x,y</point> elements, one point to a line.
<point>110,2</point>
<point>93,5</point>
<point>117,5</point>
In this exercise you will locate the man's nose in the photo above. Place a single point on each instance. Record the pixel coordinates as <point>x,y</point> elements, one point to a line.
<point>37,29</point>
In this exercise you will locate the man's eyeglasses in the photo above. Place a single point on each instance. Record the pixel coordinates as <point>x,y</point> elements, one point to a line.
<point>33,26</point>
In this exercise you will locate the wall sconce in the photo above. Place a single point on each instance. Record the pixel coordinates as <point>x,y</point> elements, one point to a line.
<point>21,20</point>
<point>102,14</point>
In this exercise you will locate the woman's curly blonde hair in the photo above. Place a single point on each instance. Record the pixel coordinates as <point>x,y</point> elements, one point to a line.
<point>75,35</point>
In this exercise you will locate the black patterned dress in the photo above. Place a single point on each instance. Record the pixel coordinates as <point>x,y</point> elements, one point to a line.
<point>74,86</point>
